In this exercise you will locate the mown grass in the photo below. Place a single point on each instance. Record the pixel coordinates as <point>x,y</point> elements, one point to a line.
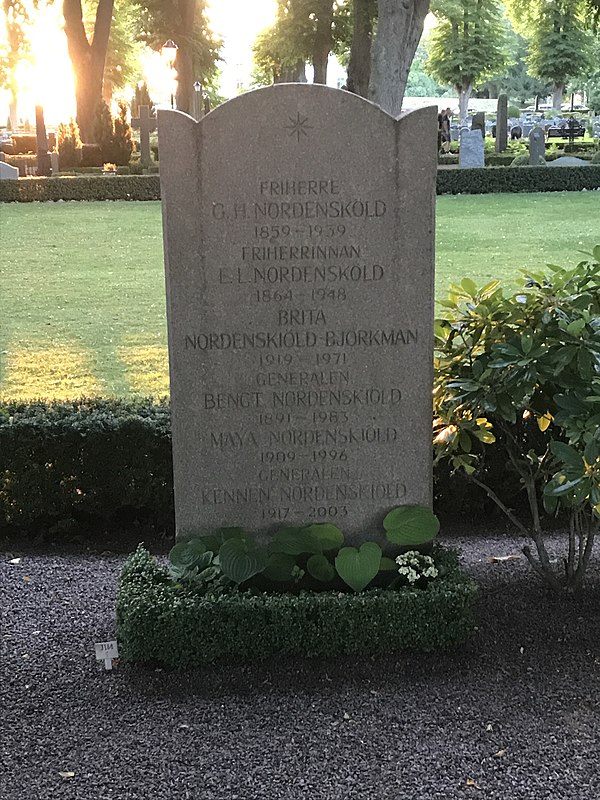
<point>82,301</point>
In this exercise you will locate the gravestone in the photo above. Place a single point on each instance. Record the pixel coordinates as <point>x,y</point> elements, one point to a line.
<point>478,122</point>
<point>54,166</point>
<point>145,124</point>
<point>568,161</point>
<point>299,233</point>
<point>471,152</point>
<point>8,172</point>
<point>502,124</point>
<point>537,145</point>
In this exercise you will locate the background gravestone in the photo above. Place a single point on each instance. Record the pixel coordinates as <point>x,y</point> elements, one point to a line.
<point>537,145</point>
<point>502,124</point>
<point>471,152</point>
<point>478,122</point>
<point>299,248</point>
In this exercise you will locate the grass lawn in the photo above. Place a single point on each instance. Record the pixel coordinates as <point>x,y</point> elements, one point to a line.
<point>82,307</point>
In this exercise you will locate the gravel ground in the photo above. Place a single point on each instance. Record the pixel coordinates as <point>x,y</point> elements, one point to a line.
<point>514,715</point>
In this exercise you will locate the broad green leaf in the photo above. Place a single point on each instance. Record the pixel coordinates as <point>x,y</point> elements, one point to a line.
<point>186,554</point>
<point>240,560</point>
<point>320,568</point>
<point>358,567</point>
<point>469,286</point>
<point>570,457</point>
<point>325,536</point>
<point>408,525</point>
<point>526,342</point>
<point>293,542</point>
<point>387,565</point>
<point>575,327</point>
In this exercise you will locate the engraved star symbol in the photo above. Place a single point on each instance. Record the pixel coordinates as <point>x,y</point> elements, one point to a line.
<point>298,126</point>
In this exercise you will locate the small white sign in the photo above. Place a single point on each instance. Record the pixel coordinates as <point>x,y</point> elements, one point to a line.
<point>106,651</point>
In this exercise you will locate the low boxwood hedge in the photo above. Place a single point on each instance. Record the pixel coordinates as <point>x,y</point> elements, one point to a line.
<point>96,466</point>
<point>158,622</point>
<point>81,187</point>
<point>487,180</point>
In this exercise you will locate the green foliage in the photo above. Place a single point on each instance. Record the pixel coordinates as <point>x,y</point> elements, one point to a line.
<point>468,45</point>
<point>69,145</point>
<point>86,461</point>
<point>522,160</point>
<point>506,179</point>
<point>311,551</point>
<point>180,627</point>
<point>419,83</point>
<point>411,525</point>
<point>558,37</point>
<point>504,361</point>
<point>113,136</point>
<point>358,566</point>
<point>139,187</point>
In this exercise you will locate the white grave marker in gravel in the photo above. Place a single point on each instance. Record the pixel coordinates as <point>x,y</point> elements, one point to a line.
<point>106,651</point>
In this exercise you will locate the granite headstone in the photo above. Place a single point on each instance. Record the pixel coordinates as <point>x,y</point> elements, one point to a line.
<point>471,153</point>
<point>299,250</point>
<point>502,124</point>
<point>537,145</point>
<point>8,172</point>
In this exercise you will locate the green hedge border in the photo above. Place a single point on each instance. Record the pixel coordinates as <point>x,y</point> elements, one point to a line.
<point>157,622</point>
<point>99,466</point>
<point>487,180</point>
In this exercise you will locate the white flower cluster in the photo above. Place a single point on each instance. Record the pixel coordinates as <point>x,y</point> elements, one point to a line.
<point>414,565</point>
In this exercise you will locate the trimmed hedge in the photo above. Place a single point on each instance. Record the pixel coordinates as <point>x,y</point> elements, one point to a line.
<point>99,465</point>
<point>93,187</point>
<point>518,179</point>
<point>449,181</point>
<point>157,622</point>
<point>82,464</point>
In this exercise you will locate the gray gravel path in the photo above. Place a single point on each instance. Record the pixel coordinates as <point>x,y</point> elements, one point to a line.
<point>514,715</point>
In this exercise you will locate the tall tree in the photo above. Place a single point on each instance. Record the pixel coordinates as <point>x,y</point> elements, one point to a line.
<point>88,58</point>
<point>399,30</point>
<point>559,39</point>
<point>304,31</point>
<point>13,50</point>
<point>186,23</point>
<point>468,45</point>
<point>364,15</point>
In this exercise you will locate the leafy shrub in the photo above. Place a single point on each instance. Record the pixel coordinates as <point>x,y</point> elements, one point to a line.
<point>113,136</point>
<point>596,158</point>
<point>69,145</point>
<point>160,622</point>
<point>91,155</point>
<point>513,112</point>
<point>525,370</point>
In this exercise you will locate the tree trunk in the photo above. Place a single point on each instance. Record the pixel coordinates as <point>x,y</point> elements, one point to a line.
<point>12,112</point>
<point>323,41</point>
<point>399,30</point>
<point>464,95</point>
<point>87,59</point>
<point>359,67</point>
<point>184,62</point>
<point>557,96</point>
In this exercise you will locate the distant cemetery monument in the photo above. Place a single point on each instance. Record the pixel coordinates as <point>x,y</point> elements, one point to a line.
<point>299,247</point>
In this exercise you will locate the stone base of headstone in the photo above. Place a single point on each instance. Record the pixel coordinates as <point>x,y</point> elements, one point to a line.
<point>8,172</point>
